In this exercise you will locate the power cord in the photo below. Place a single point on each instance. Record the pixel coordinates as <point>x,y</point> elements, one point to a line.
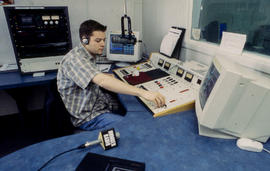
<point>79,147</point>
<point>268,151</point>
<point>110,136</point>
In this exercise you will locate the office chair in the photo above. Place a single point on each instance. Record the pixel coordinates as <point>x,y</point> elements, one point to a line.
<point>57,119</point>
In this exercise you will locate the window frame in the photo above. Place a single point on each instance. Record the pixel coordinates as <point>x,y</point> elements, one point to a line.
<point>250,59</point>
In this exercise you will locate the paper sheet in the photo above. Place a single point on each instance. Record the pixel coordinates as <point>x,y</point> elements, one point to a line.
<point>233,42</point>
<point>8,67</point>
<point>169,41</point>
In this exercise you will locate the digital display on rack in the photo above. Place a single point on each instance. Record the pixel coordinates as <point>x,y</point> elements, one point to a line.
<point>46,17</point>
<point>26,20</point>
<point>55,17</point>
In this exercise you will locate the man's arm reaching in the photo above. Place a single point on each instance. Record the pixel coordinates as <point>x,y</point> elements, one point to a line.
<point>117,86</point>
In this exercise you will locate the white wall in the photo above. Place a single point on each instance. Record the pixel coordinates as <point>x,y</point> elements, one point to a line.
<point>159,16</point>
<point>110,12</point>
<point>6,51</point>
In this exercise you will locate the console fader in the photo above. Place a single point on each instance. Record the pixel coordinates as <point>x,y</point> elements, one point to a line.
<point>178,81</point>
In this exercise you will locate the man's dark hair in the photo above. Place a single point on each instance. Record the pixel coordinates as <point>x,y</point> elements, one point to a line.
<point>88,27</point>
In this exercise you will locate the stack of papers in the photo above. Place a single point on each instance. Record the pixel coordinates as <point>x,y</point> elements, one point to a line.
<point>8,67</point>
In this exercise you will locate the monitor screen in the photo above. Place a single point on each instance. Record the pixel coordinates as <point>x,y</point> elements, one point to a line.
<point>208,85</point>
<point>233,101</point>
<point>123,51</point>
<point>120,48</point>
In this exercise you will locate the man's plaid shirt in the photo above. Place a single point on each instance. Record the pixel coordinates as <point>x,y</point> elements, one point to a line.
<point>83,99</point>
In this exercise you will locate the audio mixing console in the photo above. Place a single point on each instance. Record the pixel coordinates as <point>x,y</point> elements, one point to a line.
<point>178,81</point>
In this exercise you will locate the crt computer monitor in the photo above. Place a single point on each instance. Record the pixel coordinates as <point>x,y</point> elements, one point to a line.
<point>122,52</point>
<point>233,101</point>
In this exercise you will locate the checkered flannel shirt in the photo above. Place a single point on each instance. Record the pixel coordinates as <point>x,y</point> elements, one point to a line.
<point>82,98</point>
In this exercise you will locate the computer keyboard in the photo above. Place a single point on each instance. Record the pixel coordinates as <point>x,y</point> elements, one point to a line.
<point>103,60</point>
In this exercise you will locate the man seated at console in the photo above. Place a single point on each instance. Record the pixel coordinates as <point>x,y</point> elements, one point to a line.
<point>88,94</point>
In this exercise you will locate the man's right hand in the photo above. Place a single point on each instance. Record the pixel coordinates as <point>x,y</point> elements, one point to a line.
<point>155,97</point>
<point>117,86</point>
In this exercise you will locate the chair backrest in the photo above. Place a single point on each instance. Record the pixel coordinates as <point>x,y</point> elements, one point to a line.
<point>58,121</point>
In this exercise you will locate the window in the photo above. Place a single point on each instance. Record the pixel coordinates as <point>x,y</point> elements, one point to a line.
<point>211,17</point>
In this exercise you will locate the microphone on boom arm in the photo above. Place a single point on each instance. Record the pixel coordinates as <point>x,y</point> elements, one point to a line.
<point>125,39</point>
